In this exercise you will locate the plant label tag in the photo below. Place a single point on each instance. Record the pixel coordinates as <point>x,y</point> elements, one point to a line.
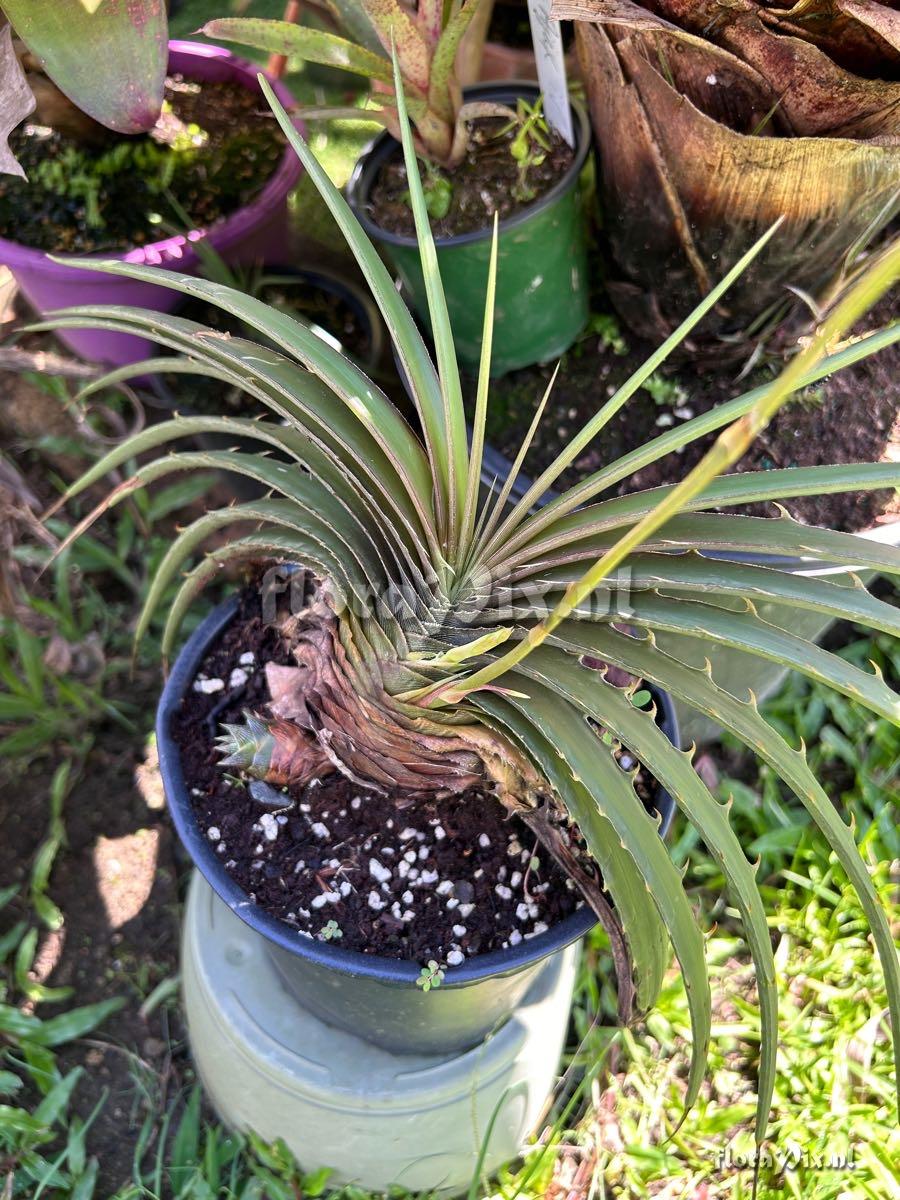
<point>551,68</point>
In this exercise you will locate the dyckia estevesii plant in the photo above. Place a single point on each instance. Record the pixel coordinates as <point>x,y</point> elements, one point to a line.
<point>427,42</point>
<point>428,690</point>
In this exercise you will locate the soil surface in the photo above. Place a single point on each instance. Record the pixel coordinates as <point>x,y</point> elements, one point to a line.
<point>486,182</point>
<point>382,874</point>
<point>212,150</point>
<point>851,417</point>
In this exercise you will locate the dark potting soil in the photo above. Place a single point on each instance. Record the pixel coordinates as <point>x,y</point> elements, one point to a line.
<point>486,182</point>
<point>382,874</point>
<point>212,150</point>
<point>851,417</point>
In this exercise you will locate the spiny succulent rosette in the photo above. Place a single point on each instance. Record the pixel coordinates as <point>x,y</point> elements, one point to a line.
<point>425,662</point>
<point>715,117</point>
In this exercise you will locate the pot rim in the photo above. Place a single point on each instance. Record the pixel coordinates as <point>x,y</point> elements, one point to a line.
<point>347,962</point>
<point>384,144</point>
<point>177,250</point>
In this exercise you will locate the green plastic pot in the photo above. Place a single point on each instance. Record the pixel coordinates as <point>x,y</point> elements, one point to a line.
<point>542,278</point>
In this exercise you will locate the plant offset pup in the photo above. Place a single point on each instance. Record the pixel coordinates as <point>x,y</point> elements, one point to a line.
<point>427,44</point>
<point>427,689</point>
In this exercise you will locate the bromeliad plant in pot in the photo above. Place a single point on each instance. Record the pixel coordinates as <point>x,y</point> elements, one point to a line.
<point>174,121</point>
<point>452,646</point>
<point>488,151</point>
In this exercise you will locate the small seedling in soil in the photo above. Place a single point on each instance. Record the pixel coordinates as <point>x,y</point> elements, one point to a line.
<point>605,327</point>
<point>438,192</point>
<point>665,392</point>
<point>812,397</point>
<point>331,932</point>
<point>531,144</point>
<point>431,976</point>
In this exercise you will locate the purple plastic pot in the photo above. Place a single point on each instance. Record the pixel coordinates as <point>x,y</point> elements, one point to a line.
<point>255,233</point>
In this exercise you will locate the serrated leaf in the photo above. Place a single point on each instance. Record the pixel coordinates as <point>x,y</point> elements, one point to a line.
<point>562,672</point>
<point>644,930</point>
<point>283,548</point>
<point>349,431</point>
<point>728,491</point>
<point>697,689</point>
<point>592,765</point>
<point>745,631</point>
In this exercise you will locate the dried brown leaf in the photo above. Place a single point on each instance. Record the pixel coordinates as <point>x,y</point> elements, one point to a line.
<point>16,101</point>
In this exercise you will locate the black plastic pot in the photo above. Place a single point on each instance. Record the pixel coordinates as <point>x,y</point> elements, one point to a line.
<point>542,275</point>
<point>374,997</point>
